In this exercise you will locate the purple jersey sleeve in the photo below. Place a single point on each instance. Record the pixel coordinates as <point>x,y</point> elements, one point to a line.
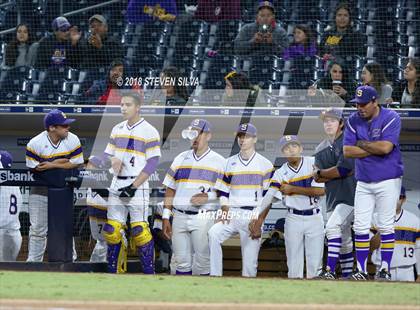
<point>391,129</point>
<point>350,137</point>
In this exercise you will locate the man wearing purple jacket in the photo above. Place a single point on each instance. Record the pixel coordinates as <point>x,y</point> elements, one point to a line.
<point>372,138</point>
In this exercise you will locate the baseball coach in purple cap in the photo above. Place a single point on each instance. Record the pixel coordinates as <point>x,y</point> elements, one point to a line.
<point>372,138</point>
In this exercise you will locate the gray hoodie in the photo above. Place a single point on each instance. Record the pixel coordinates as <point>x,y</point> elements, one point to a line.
<point>244,44</point>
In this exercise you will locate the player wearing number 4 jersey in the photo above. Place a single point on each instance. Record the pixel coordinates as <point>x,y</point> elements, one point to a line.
<point>372,138</point>
<point>189,191</point>
<point>407,244</point>
<point>304,227</point>
<point>10,204</point>
<point>246,176</point>
<point>134,151</point>
<point>54,148</point>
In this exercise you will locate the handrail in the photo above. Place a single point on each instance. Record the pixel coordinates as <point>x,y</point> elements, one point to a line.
<point>92,7</point>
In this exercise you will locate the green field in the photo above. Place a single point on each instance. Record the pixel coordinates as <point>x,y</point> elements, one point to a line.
<point>104,287</point>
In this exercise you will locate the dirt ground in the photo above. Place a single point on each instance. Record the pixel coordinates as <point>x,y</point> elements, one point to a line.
<point>21,304</point>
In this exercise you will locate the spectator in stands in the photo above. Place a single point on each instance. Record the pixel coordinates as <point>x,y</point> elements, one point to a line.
<point>342,40</point>
<point>303,44</point>
<point>407,92</point>
<point>21,51</point>
<point>216,11</point>
<point>373,74</point>
<point>142,11</point>
<point>337,80</point>
<point>100,49</point>
<point>106,92</point>
<point>264,36</point>
<point>176,92</point>
<point>239,91</point>
<point>60,48</point>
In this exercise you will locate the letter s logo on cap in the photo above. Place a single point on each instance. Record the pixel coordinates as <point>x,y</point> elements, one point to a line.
<point>196,122</point>
<point>288,138</point>
<point>359,93</point>
<point>64,115</point>
<point>244,127</point>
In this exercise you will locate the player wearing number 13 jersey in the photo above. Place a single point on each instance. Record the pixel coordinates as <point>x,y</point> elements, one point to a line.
<point>407,244</point>
<point>10,204</point>
<point>134,150</point>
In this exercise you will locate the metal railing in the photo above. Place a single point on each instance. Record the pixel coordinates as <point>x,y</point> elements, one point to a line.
<point>71,13</point>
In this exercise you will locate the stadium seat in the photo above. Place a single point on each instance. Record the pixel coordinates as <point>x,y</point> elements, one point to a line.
<point>216,69</point>
<point>187,61</point>
<point>12,80</point>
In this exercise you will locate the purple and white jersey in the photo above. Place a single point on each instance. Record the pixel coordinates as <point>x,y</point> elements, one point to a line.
<point>385,127</point>
<point>134,145</point>
<point>245,181</point>
<point>190,175</point>
<point>10,207</point>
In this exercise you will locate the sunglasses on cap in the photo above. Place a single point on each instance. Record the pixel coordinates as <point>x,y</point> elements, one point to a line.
<point>230,75</point>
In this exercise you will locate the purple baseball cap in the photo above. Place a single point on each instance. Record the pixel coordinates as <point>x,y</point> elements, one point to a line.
<point>332,112</point>
<point>365,94</point>
<point>60,24</point>
<point>201,125</point>
<point>248,129</point>
<point>6,159</point>
<point>285,140</point>
<point>56,117</point>
<point>265,4</point>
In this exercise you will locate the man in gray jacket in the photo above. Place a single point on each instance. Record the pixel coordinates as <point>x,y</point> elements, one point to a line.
<point>264,37</point>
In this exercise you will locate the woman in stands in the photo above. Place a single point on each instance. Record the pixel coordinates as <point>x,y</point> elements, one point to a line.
<point>341,40</point>
<point>239,91</point>
<point>21,51</point>
<point>373,74</point>
<point>108,90</point>
<point>175,90</point>
<point>303,44</point>
<point>407,92</point>
<point>338,81</point>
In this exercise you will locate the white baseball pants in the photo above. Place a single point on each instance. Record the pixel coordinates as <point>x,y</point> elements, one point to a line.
<point>304,236</point>
<point>250,248</point>
<point>10,242</point>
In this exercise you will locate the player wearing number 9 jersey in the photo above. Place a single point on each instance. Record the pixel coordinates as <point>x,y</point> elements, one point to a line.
<point>10,204</point>
<point>304,227</point>
<point>134,150</point>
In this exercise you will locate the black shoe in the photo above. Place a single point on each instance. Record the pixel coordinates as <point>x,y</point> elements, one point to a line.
<point>383,275</point>
<point>326,275</point>
<point>359,276</point>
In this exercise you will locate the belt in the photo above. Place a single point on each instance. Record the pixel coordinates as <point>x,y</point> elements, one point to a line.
<point>247,208</point>
<point>304,212</point>
<point>125,178</point>
<point>186,212</point>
